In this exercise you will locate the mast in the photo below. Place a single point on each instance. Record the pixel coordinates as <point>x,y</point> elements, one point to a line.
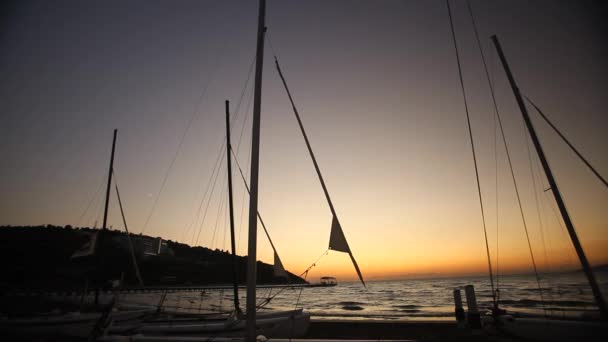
<point>235,279</point>
<point>553,185</point>
<point>255,159</point>
<point>336,227</point>
<point>105,211</point>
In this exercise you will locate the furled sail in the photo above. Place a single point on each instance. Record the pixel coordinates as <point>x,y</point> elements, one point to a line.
<point>279,270</point>
<point>337,242</point>
<point>88,248</point>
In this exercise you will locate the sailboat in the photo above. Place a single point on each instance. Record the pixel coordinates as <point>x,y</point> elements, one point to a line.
<point>292,323</point>
<point>543,328</point>
<point>78,324</point>
<point>538,328</point>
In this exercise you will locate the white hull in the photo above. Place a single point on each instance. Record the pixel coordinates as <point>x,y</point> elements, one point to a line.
<point>70,325</point>
<point>279,324</point>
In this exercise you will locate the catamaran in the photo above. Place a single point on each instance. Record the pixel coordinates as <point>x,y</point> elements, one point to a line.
<point>536,328</point>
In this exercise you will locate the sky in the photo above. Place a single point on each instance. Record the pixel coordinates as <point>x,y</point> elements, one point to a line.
<point>377,86</point>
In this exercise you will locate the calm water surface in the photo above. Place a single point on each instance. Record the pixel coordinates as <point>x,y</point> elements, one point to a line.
<point>563,295</point>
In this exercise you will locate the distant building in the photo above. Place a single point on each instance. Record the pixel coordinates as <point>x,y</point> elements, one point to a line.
<point>146,246</point>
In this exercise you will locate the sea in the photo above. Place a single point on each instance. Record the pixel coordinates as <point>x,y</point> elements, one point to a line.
<point>561,295</point>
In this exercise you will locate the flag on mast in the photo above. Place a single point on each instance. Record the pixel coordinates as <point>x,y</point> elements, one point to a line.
<point>337,242</point>
<point>279,270</point>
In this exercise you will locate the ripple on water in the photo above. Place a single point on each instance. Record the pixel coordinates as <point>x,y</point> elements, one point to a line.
<point>406,306</point>
<point>351,306</point>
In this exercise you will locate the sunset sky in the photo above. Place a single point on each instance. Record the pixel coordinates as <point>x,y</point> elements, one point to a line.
<point>377,86</point>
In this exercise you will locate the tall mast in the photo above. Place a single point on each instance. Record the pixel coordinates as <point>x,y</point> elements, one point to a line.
<point>553,184</point>
<point>255,158</point>
<point>105,211</point>
<point>235,279</point>
<point>335,222</point>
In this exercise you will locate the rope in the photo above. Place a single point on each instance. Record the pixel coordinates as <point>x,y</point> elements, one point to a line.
<point>537,212</point>
<point>94,197</point>
<point>124,220</point>
<point>305,274</point>
<point>221,153</point>
<point>466,108</point>
<point>207,207</point>
<point>568,142</point>
<point>247,110</point>
<point>220,211</point>
<point>504,140</point>
<point>259,216</point>
<point>217,160</point>
<point>179,147</point>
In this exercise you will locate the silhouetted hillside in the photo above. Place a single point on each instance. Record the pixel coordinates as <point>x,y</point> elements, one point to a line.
<point>41,257</point>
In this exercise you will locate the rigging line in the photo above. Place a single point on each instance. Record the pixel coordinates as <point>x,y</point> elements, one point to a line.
<point>544,225</point>
<point>563,230</point>
<point>315,263</point>
<point>248,163</point>
<point>95,194</point>
<point>567,142</point>
<point>221,151</point>
<point>208,202</point>
<point>538,178</point>
<point>534,188</point>
<point>124,221</point>
<point>198,211</point>
<point>220,211</point>
<point>99,208</point>
<point>261,305</point>
<point>497,207</point>
<point>466,108</point>
<point>318,170</point>
<point>496,190</point>
<point>242,203</point>
<point>504,140</point>
<point>247,110</point>
<point>248,191</point>
<point>242,211</point>
<point>179,147</point>
<point>226,226</point>
<point>217,65</point>
<point>238,106</point>
<point>304,273</point>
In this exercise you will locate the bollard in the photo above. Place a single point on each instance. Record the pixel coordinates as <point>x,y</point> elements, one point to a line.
<point>473,316</point>
<point>459,311</point>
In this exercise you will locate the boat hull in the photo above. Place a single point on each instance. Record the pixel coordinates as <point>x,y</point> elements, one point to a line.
<point>280,324</point>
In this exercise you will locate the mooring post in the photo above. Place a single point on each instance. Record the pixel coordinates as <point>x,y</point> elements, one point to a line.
<point>473,316</point>
<point>458,309</point>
